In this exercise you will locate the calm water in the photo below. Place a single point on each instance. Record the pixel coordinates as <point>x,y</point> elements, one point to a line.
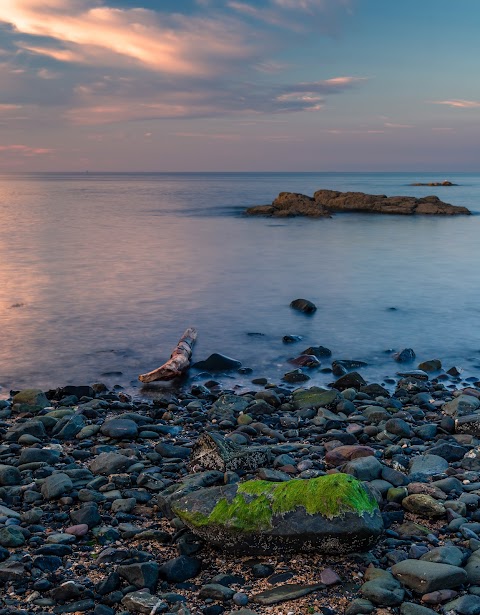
<point>101,273</point>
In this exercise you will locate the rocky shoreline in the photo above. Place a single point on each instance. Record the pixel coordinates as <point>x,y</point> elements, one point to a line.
<point>88,477</point>
<point>326,202</point>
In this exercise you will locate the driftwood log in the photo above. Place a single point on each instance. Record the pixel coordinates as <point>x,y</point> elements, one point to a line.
<point>179,360</point>
<point>214,452</point>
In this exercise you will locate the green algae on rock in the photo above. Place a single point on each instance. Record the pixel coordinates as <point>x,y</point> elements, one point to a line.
<point>333,513</point>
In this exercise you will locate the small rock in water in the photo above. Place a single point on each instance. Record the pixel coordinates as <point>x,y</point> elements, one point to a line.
<point>404,356</point>
<point>303,305</point>
<point>217,363</point>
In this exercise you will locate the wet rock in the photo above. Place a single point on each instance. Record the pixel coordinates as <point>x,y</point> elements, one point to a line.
<point>433,365</point>
<point>352,380</point>
<point>424,577</point>
<point>303,305</point>
<point>405,356</point>
<point>295,376</point>
<point>217,363</point>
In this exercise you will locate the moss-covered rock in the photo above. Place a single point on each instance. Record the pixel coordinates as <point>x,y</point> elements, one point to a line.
<point>30,400</point>
<point>330,514</point>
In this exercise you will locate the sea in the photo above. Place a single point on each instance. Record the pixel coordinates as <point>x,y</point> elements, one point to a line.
<point>100,274</point>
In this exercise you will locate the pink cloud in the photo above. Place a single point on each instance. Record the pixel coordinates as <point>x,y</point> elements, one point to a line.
<point>92,34</point>
<point>25,150</point>
<point>458,103</point>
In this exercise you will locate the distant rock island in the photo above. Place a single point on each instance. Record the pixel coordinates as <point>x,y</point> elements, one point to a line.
<point>445,183</point>
<point>326,202</point>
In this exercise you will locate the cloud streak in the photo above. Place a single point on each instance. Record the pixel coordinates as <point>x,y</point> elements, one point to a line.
<point>25,150</point>
<point>84,32</point>
<point>458,103</point>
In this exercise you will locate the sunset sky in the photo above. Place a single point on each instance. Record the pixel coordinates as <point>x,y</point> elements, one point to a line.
<point>238,85</point>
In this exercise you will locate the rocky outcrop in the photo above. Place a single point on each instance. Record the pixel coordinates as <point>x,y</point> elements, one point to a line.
<point>289,205</point>
<point>329,514</point>
<point>326,202</point>
<point>445,183</point>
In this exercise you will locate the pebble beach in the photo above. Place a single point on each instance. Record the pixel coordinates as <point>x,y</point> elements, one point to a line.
<point>85,474</point>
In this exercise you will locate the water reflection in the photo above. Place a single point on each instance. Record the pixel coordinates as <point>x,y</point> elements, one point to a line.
<point>106,285</point>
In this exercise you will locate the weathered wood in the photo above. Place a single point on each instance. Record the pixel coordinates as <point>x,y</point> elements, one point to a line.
<point>214,452</point>
<point>179,360</point>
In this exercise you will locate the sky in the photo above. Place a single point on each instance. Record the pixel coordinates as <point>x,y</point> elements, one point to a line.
<point>239,85</point>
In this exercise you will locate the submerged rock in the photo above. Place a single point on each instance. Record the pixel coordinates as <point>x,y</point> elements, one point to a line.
<point>329,514</point>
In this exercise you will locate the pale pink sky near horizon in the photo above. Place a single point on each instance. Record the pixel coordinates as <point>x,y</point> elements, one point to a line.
<point>214,85</point>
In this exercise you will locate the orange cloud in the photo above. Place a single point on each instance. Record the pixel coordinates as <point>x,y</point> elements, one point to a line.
<point>171,44</point>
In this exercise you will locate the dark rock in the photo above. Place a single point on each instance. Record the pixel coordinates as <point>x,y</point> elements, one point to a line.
<point>56,485</point>
<point>36,455</point>
<point>143,574</point>
<point>294,376</point>
<point>87,514</point>
<point>9,475</point>
<point>180,569</point>
<point>32,400</point>
<point>217,363</point>
<point>119,429</point>
<point>404,356</point>
<point>424,577</point>
<point>110,463</point>
<point>433,365</point>
<point>350,381</point>
<point>286,592</point>
<point>303,305</point>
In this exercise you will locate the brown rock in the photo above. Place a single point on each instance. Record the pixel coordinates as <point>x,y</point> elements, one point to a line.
<point>342,454</point>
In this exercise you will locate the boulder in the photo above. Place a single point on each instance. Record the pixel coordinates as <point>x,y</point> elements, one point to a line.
<point>329,514</point>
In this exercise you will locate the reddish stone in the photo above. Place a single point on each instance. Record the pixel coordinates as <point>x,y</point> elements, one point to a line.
<point>342,454</point>
<point>329,577</point>
<point>77,530</point>
<point>442,595</point>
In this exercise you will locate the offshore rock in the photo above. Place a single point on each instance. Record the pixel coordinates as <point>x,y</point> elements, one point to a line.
<point>330,514</point>
<point>325,202</point>
<point>289,205</point>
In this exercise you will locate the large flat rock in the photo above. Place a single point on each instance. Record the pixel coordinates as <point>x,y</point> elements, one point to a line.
<point>330,514</point>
